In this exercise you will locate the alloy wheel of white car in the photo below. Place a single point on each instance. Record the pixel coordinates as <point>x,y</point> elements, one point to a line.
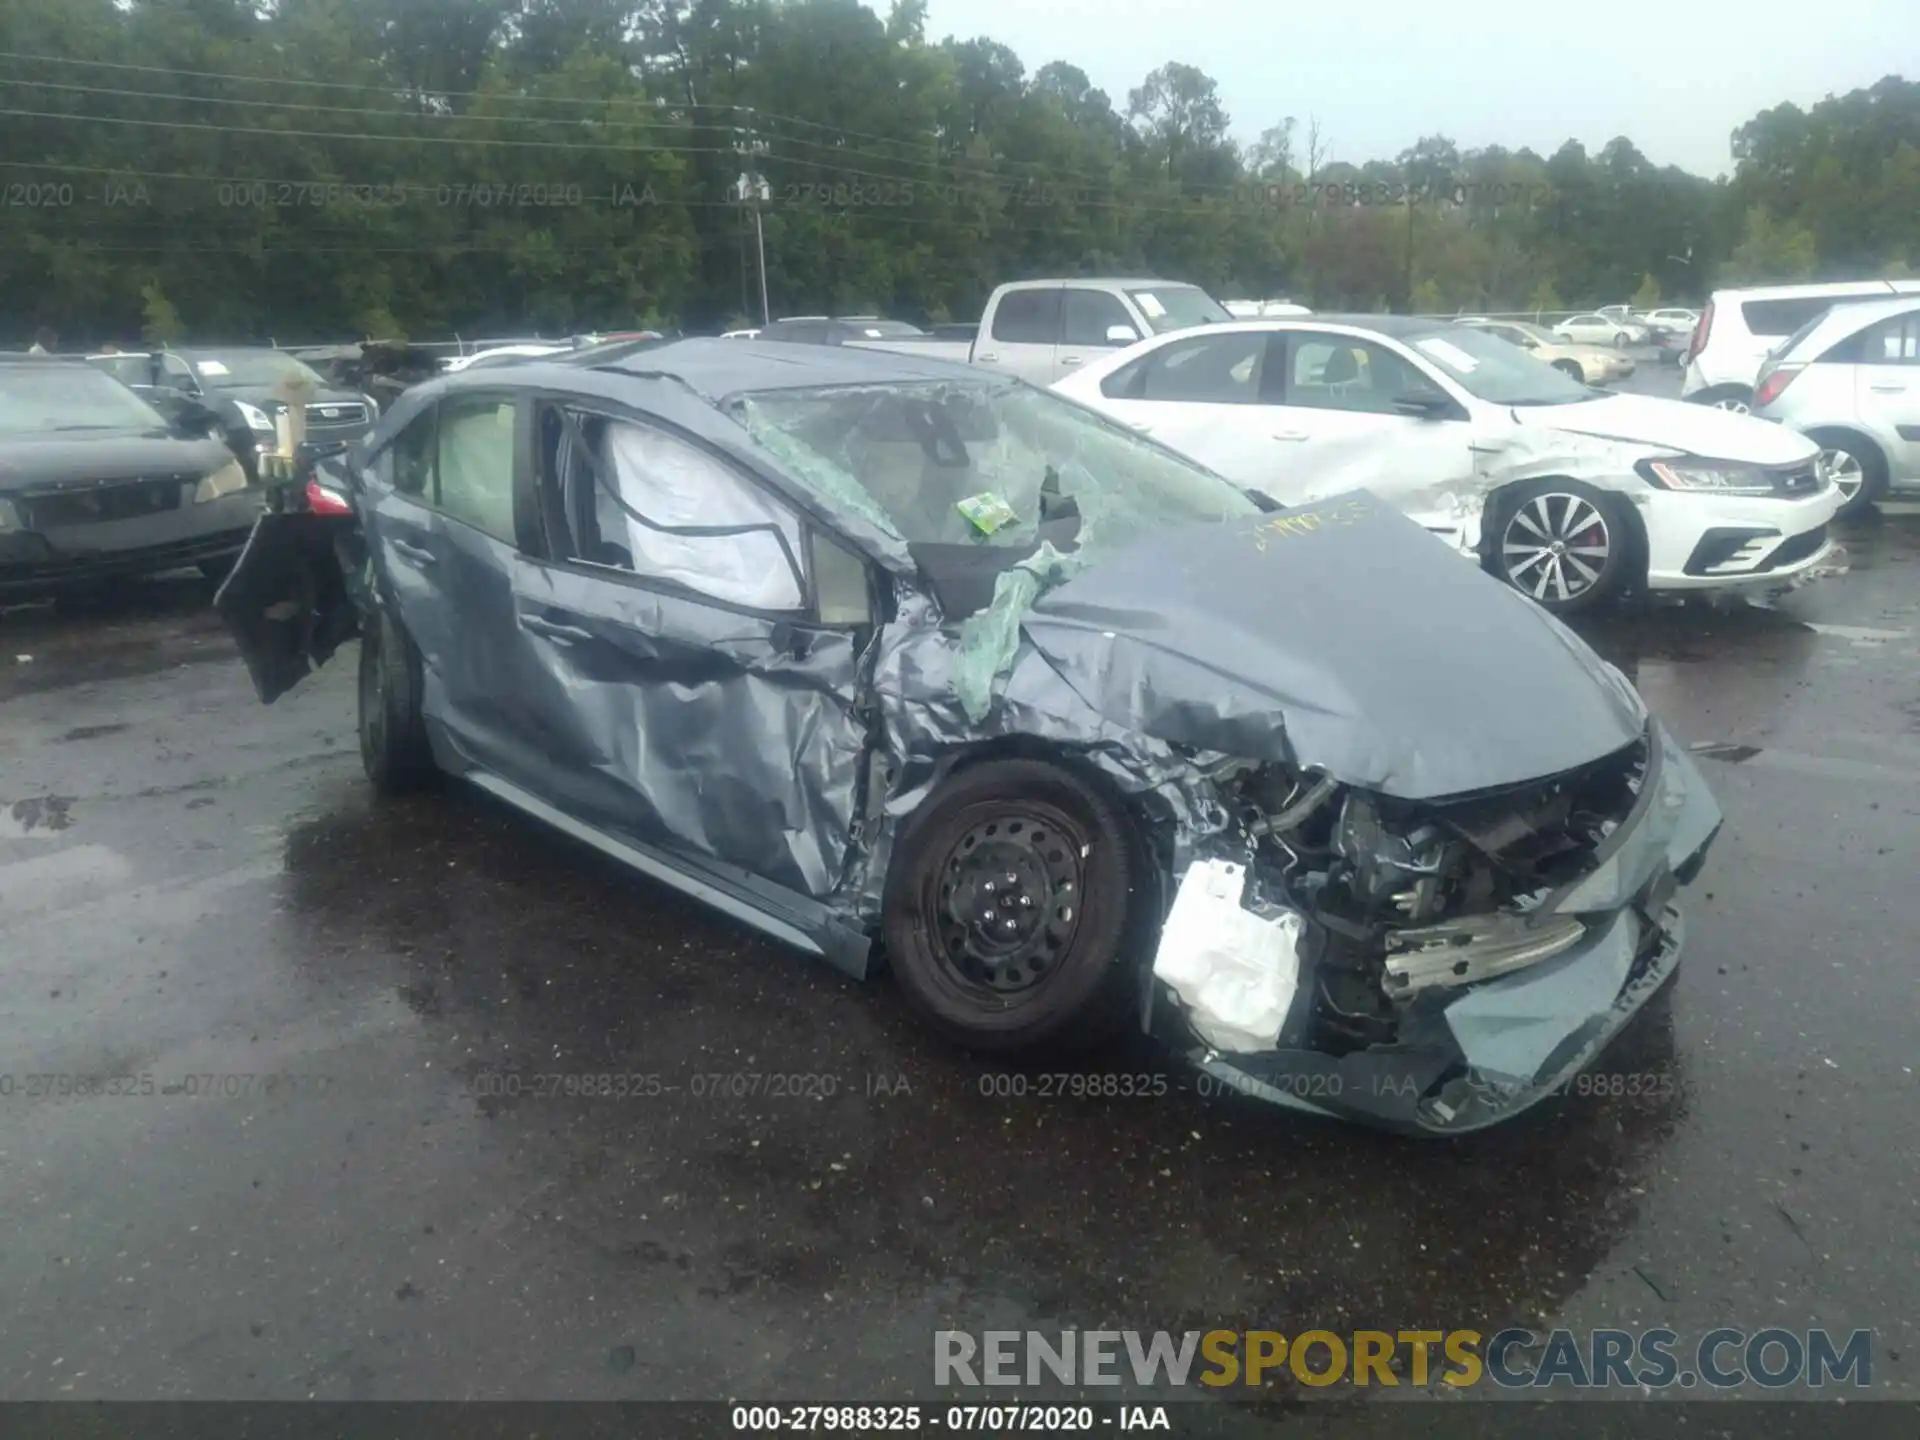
<point>1555,547</point>
<point>1844,469</point>
<point>1737,404</point>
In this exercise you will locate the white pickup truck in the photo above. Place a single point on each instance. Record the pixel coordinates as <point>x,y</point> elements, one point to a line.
<point>1041,329</point>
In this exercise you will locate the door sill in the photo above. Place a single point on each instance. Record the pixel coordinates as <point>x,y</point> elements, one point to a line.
<point>798,921</point>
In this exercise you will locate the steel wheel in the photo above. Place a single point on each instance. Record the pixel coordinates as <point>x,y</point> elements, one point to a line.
<point>1845,470</point>
<point>1556,546</point>
<point>1007,898</point>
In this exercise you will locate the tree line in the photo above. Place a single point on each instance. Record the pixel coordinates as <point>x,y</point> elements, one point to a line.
<point>304,170</point>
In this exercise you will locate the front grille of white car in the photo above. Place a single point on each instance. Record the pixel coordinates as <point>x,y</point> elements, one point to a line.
<point>1802,479</point>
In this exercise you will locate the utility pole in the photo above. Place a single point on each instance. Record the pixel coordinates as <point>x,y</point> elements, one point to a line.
<point>752,188</point>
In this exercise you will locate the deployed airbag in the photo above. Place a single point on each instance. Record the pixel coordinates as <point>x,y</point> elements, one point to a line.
<point>677,487</point>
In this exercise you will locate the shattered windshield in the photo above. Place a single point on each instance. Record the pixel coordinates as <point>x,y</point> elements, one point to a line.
<point>986,465</point>
<point>1498,372</point>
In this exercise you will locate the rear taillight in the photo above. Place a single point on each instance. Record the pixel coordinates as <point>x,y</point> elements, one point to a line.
<point>322,501</point>
<point>1698,344</point>
<point>1771,383</point>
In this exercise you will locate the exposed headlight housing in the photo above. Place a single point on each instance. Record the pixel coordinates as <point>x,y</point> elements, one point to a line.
<point>227,480</point>
<point>1708,477</point>
<point>256,418</point>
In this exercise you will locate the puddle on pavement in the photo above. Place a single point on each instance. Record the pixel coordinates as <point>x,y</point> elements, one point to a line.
<point>41,817</point>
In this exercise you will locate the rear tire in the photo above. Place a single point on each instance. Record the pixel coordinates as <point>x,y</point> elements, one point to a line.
<point>393,733</point>
<point>1737,398</point>
<point>1857,465</point>
<point>1593,534</point>
<point>1010,910</point>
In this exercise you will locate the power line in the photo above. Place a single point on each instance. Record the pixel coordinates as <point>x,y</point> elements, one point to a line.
<point>396,92</point>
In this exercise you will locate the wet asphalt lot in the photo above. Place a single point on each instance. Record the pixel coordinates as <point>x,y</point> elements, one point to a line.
<point>200,890</point>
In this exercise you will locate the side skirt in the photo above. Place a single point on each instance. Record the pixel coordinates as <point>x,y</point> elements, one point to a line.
<point>797,921</point>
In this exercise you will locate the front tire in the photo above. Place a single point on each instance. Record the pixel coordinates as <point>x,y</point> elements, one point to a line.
<point>1009,910</point>
<point>1562,543</point>
<point>393,733</point>
<point>1856,465</point>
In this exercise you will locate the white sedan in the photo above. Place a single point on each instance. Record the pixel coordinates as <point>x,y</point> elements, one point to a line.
<point>1672,322</point>
<point>1569,493</point>
<point>1598,329</point>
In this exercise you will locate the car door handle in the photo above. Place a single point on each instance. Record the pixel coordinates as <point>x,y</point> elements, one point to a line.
<point>564,634</point>
<point>990,358</point>
<point>1886,389</point>
<point>1289,434</point>
<point>419,554</point>
<point>1070,359</point>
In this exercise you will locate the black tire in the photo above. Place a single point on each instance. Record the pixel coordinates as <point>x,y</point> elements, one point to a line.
<point>1870,460</point>
<point>1063,979</point>
<point>1527,521</point>
<point>393,733</point>
<point>1737,398</point>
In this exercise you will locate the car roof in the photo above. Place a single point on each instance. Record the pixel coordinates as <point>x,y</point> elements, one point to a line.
<point>1862,313</point>
<point>17,359</point>
<point>1844,320</point>
<point>720,371</point>
<point>1395,326</point>
<point>1836,287</point>
<point>1104,280</point>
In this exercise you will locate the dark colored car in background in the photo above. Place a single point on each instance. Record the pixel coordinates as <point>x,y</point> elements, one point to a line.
<point>94,481</point>
<point>241,385</point>
<point>884,654</point>
<point>378,369</point>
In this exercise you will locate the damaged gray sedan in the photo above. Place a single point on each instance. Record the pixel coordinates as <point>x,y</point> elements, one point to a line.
<point>886,656</point>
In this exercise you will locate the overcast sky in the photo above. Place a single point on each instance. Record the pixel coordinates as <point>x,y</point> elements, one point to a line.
<point>1675,76</point>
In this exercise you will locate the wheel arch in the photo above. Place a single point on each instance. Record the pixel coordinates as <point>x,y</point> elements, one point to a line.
<point>1855,436</point>
<point>1148,830</point>
<point>1149,835</point>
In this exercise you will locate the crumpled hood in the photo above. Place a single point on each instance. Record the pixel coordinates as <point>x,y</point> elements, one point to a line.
<point>1339,636</point>
<point>1674,425</point>
<point>89,457</point>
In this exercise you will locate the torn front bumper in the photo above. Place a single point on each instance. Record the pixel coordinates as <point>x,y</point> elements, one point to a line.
<point>1473,1055</point>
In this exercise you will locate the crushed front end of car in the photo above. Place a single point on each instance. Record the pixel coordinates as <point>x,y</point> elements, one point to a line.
<point>1436,965</point>
<point>1426,863</point>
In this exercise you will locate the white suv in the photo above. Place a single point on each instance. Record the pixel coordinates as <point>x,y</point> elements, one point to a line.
<point>1850,381</point>
<point>1741,327</point>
